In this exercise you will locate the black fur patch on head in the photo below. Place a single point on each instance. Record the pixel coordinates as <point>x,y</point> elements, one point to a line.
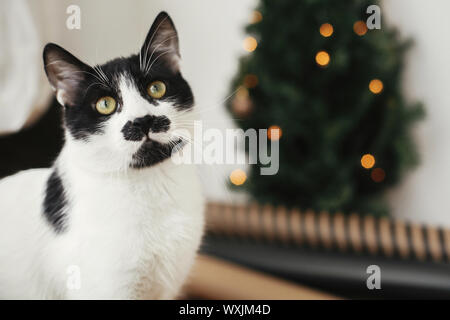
<point>78,88</point>
<point>55,203</point>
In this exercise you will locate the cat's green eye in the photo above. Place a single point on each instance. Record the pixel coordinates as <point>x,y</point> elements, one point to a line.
<point>156,89</point>
<point>106,105</point>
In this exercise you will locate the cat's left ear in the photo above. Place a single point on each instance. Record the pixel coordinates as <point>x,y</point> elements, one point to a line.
<point>161,44</point>
<point>64,72</point>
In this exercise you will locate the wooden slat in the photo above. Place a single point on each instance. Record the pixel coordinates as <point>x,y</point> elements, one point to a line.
<point>325,230</point>
<point>352,233</point>
<point>418,242</point>
<point>296,227</point>
<point>370,234</point>
<point>340,231</point>
<point>435,246</point>
<point>386,237</point>
<point>310,229</point>
<point>281,223</point>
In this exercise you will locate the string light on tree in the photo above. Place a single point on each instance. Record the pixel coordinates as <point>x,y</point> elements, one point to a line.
<point>378,175</point>
<point>238,177</point>
<point>250,44</point>
<point>322,58</point>
<point>242,92</point>
<point>256,17</point>
<point>376,86</point>
<point>367,161</point>
<point>242,105</point>
<point>326,30</point>
<point>251,81</point>
<point>274,133</point>
<point>360,28</point>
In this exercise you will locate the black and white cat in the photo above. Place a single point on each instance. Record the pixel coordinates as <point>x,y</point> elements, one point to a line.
<point>114,206</point>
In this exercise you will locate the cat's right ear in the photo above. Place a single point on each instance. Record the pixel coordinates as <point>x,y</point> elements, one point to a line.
<point>161,44</point>
<point>64,72</point>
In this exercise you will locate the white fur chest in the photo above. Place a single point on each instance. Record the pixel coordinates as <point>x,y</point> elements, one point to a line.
<point>130,236</point>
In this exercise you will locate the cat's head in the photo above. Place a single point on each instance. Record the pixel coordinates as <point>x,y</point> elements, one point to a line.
<point>125,113</point>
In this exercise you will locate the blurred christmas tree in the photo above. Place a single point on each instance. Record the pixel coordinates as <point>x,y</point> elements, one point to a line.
<point>333,88</point>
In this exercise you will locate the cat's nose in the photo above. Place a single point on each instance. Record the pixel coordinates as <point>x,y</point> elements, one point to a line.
<point>140,127</point>
<point>143,124</point>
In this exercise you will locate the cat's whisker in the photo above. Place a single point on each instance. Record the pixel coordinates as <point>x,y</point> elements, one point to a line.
<point>151,40</point>
<point>193,121</point>
<point>147,70</point>
<point>190,140</point>
<point>218,104</point>
<point>97,72</point>
<point>104,75</point>
<point>92,84</point>
<point>155,49</point>
<point>62,61</point>
<point>180,135</point>
<point>199,110</point>
<point>92,74</point>
<point>100,72</point>
<point>156,59</point>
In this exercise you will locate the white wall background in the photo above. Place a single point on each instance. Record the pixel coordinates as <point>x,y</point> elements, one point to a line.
<point>211,34</point>
<point>425,194</point>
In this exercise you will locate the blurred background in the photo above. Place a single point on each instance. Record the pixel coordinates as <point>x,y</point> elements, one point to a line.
<point>361,114</point>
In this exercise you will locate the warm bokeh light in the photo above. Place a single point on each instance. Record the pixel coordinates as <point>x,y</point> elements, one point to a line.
<point>274,132</point>
<point>256,17</point>
<point>250,81</point>
<point>376,86</point>
<point>360,28</point>
<point>238,177</point>
<point>367,161</point>
<point>250,44</point>
<point>326,30</point>
<point>242,92</point>
<point>241,104</point>
<point>322,58</point>
<point>378,175</point>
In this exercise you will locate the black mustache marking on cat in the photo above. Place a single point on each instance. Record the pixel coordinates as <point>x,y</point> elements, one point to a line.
<point>153,152</point>
<point>140,127</point>
<point>55,203</point>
